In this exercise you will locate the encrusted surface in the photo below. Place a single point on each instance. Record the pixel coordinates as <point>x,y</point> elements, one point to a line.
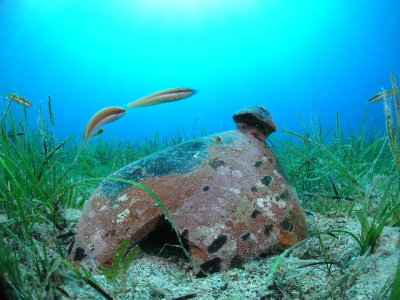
<point>226,193</point>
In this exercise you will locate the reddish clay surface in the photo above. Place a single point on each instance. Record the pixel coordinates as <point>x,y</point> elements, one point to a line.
<point>227,194</point>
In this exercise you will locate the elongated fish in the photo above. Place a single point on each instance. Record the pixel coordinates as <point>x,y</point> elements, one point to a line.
<point>162,97</point>
<point>380,96</point>
<point>19,100</point>
<point>104,116</point>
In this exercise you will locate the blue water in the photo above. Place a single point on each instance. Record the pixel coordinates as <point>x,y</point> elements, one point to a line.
<point>315,58</point>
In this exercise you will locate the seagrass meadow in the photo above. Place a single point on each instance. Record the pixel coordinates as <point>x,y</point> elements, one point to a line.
<point>348,186</point>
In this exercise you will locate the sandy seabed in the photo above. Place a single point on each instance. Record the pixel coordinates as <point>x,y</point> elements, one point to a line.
<point>301,275</point>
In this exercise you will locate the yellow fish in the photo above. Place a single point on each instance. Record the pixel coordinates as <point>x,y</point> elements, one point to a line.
<point>19,100</point>
<point>380,96</point>
<point>104,116</point>
<point>163,97</point>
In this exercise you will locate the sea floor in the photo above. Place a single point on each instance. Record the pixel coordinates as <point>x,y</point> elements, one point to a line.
<point>333,271</point>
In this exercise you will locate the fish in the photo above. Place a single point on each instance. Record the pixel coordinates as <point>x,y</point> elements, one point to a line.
<point>380,96</point>
<point>104,116</point>
<point>98,132</point>
<point>164,96</point>
<point>12,135</point>
<point>19,100</point>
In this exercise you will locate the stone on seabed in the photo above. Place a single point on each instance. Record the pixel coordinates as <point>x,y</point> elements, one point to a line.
<point>227,193</point>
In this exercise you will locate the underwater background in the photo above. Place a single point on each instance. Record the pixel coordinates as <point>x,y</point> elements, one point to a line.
<point>315,58</point>
<point>317,66</point>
